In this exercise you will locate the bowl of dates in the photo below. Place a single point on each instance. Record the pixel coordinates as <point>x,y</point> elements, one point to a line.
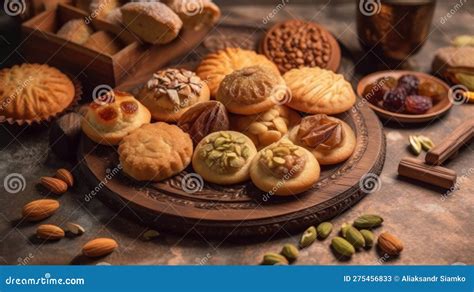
<point>405,96</point>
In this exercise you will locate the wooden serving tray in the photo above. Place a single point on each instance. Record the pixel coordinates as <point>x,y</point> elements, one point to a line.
<point>239,210</point>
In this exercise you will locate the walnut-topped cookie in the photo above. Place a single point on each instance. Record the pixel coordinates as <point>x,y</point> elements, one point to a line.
<point>170,92</point>
<point>155,152</point>
<point>251,90</point>
<point>319,91</point>
<point>283,169</point>
<point>108,120</point>
<point>267,127</point>
<point>224,157</point>
<point>329,139</point>
<point>215,66</point>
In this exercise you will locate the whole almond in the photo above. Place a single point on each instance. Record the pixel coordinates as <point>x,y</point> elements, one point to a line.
<point>390,244</point>
<point>54,185</point>
<point>99,247</point>
<point>66,176</point>
<point>50,232</point>
<point>40,209</point>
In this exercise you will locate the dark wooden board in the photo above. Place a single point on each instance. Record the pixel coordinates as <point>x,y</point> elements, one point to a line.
<point>238,210</point>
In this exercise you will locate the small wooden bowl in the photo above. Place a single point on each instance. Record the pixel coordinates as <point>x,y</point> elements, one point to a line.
<point>439,108</point>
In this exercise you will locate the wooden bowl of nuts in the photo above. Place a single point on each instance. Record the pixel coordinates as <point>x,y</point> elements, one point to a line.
<point>405,96</point>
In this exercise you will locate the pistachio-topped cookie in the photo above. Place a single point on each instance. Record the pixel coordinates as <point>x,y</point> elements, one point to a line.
<point>283,169</point>
<point>224,157</point>
<point>329,139</point>
<point>170,92</point>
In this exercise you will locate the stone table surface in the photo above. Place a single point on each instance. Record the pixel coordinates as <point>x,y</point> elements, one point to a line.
<point>435,225</point>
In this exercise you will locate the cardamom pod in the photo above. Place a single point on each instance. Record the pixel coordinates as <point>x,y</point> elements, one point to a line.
<point>368,221</point>
<point>342,246</point>
<point>355,237</point>
<point>324,229</point>
<point>308,237</point>
<point>368,237</point>
<point>273,258</point>
<point>426,143</point>
<point>290,252</point>
<point>415,144</point>
<point>344,228</point>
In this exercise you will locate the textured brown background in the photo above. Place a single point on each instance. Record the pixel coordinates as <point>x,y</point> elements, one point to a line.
<point>436,229</point>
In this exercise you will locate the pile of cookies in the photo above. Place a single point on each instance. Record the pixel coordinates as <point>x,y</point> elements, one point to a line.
<point>155,22</point>
<point>237,118</point>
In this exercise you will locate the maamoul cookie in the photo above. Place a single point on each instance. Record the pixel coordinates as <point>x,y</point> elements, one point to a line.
<point>283,169</point>
<point>34,92</point>
<point>224,157</point>
<point>251,90</point>
<point>319,91</point>
<point>195,14</point>
<point>76,31</point>
<point>329,139</point>
<point>153,22</point>
<point>155,152</point>
<point>267,127</point>
<point>215,66</point>
<point>109,121</point>
<point>170,92</point>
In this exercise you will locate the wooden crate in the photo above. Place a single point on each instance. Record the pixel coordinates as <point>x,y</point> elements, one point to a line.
<point>134,63</point>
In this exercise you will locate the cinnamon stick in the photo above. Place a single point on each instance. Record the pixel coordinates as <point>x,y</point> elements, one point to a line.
<point>435,175</point>
<point>460,136</point>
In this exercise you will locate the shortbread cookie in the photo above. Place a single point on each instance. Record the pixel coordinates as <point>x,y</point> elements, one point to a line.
<point>224,157</point>
<point>216,66</point>
<point>155,152</point>
<point>153,22</point>
<point>319,91</point>
<point>283,169</point>
<point>329,139</point>
<point>267,127</point>
<point>111,118</point>
<point>195,14</point>
<point>251,90</point>
<point>170,92</point>
<point>34,92</point>
<point>76,31</point>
